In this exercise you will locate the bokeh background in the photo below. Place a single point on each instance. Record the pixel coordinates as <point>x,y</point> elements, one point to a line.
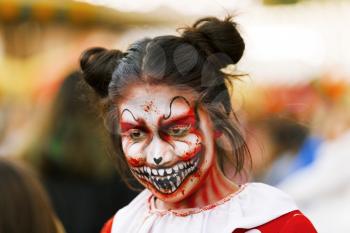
<point>294,102</point>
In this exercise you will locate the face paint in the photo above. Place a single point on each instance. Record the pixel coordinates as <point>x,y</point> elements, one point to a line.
<point>168,147</point>
<point>185,141</point>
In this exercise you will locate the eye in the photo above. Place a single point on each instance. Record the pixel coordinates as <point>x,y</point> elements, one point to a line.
<point>178,130</point>
<point>137,134</point>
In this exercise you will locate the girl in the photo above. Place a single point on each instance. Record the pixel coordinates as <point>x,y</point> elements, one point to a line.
<point>167,106</point>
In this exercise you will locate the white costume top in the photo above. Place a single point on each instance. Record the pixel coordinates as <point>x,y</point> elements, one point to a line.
<point>252,205</point>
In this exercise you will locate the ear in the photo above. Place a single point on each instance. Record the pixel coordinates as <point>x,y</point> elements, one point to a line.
<point>217,133</point>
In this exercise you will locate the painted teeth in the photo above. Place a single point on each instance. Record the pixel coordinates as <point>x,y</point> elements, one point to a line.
<point>161,172</point>
<point>178,181</point>
<point>167,180</point>
<point>182,174</point>
<point>169,171</point>
<point>154,172</point>
<point>173,188</point>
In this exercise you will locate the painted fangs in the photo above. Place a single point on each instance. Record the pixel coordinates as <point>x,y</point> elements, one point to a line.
<point>178,181</point>
<point>167,180</point>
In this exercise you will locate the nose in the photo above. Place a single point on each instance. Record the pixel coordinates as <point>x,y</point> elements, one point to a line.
<point>157,160</point>
<point>158,152</point>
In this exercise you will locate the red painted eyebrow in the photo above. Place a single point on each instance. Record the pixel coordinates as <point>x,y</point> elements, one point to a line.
<point>188,118</point>
<point>125,126</point>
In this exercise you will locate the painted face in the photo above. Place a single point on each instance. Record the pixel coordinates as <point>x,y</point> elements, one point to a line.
<point>167,142</point>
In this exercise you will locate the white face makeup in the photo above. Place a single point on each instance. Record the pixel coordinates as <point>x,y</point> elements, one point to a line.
<point>169,147</point>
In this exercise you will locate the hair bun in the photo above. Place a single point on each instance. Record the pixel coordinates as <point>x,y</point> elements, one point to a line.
<point>216,36</point>
<point>97,65</point>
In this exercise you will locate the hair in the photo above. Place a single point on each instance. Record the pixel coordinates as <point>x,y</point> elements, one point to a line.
<point>24,205</point>
<point>191,60</point>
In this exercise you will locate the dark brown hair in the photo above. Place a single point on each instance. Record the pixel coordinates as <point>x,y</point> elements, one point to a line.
<point>24,205</point>
<point>193,60</point>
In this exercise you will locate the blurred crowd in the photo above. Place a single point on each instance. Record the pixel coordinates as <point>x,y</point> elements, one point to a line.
<point>54,153</point>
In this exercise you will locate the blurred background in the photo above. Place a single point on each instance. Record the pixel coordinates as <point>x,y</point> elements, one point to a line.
<point>293,104</point>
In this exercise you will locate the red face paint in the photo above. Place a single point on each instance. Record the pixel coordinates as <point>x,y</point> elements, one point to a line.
<point>187,122</point>
<point>188,119</point>
<point>148,106</point>
<point>135,162</point>
<point>191,154</point>
<point>125,126</point>
<point>140,124</point>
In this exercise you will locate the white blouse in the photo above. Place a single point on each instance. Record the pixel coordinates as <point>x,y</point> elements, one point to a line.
<point>252,205</point>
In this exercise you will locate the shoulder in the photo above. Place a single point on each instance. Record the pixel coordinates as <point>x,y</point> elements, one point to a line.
<point>265,189</point>
<point>258,204</point>
<point>261,191</point>
<point>268,209</point>
<point>292,222</point>
<point>297,223</point>
<point>266,200</point>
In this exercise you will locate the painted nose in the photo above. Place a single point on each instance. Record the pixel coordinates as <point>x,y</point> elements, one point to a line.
<point>158,160</point>
<point>158,152</point>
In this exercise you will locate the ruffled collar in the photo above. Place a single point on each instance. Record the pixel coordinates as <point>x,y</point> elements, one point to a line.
<point>189,211</point>
<point>252,205</point>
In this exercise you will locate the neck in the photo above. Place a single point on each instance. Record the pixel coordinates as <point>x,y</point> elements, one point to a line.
<point>214,188</point>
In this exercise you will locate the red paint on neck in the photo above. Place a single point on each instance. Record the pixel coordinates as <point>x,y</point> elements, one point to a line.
<point>214,184</point>
<point>214,187</point>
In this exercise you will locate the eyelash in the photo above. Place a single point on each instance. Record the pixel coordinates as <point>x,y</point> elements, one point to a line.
<point>131,131</point>
<point>183,127</point>
<point>180,127</point>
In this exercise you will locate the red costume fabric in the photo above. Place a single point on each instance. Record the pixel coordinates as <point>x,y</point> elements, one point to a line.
<point>107,228</point>
<point>292,222</point>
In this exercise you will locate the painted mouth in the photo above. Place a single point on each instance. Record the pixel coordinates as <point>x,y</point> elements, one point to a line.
<point>168,180</point>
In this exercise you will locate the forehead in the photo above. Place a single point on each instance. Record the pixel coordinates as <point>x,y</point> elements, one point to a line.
<point>150,102</point>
